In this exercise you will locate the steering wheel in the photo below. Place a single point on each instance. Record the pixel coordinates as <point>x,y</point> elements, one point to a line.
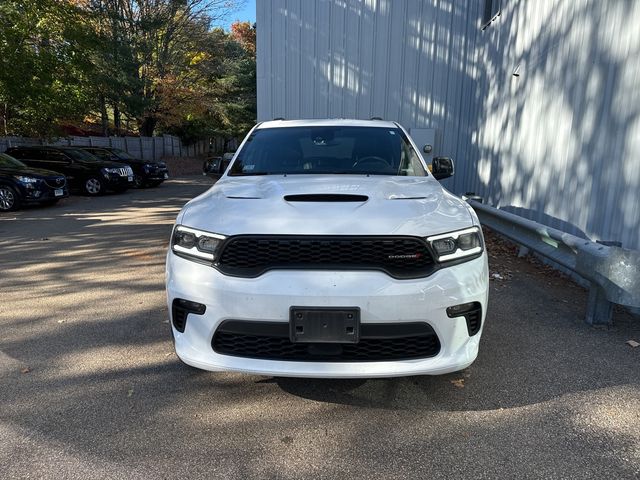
<point>372,160</point>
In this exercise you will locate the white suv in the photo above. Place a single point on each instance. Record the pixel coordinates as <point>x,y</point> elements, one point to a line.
<point>327,249</point>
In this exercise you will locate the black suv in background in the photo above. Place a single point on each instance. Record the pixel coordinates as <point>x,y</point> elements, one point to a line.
<point>21,185</point>
<point>216,166</point>
<point>146,173</point>
<point>84,171</point>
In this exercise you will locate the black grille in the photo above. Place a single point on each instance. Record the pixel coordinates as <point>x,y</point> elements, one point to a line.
<point>179,318</point>
<point>474,321</point>
<point>252,255</point>
<point>56,182</point>
<point>378,342</point>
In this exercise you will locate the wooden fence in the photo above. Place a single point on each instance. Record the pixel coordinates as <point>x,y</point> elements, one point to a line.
<point>146,148</point>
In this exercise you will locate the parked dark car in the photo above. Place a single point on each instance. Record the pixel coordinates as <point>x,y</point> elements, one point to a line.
<point>146,173</point>
<point>216,166</point>
<point>212,167</point>
<point>20,185</point>
<point>84,172</point>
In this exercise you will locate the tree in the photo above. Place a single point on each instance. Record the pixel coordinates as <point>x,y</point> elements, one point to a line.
<point>155,63</point>
<point>43,78</point>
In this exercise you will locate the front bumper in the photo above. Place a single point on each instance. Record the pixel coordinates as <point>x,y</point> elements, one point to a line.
<point>158,175</point>
<point>380,298</point>
<point>153,174</point>
<point>118,182</point>
<point>42,193</point>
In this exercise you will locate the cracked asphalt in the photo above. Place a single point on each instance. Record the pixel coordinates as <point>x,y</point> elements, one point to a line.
<point>90,387</point>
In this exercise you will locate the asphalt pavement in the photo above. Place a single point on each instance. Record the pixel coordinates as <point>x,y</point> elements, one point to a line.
<point>90,386</point>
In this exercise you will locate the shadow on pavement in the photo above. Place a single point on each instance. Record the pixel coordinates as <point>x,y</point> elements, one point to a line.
<point>87,369</point>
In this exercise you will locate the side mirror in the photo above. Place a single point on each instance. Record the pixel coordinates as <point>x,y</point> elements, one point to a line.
<point>442,167</point>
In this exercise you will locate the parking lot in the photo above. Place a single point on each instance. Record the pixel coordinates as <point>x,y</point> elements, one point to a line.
<point>90,387</point>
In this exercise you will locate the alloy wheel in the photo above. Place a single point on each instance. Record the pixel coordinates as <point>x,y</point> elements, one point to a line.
<point>7,199</point>
<point>93,186</point>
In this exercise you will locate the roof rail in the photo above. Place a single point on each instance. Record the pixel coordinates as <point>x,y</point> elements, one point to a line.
<point>376,118</point>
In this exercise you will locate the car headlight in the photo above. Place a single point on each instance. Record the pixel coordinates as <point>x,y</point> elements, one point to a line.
<point>109,170</point>
<point>457,245</point>
<point>195,244</point>
<point>26,180</point>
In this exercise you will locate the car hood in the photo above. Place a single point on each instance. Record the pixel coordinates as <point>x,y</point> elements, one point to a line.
<point>37,172</point>
<point>393,206</point>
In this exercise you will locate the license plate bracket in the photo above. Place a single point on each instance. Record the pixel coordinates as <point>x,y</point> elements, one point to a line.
<point>324,324</point>
<point>58,192</point>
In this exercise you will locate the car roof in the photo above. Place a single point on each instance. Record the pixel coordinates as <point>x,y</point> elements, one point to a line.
<point>38,147</point>
<point>335,122</point>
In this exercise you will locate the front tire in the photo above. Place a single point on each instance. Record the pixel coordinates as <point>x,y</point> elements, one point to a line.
<point>93,186</point>
<point>138,182</point>
<point>9,199</point>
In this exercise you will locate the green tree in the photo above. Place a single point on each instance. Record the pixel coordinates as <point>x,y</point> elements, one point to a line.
<point>43,77</point>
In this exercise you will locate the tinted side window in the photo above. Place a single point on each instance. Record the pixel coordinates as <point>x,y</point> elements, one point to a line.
<point>410,164</point>
<point>34,154</point>
<point>56,156</point>
<point>102,154</point>
<point>17,153</point>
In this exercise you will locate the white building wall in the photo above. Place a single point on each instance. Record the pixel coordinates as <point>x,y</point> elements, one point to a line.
<point>560,143</point>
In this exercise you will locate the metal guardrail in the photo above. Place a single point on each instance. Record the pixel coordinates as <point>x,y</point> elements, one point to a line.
<point>613,272</point>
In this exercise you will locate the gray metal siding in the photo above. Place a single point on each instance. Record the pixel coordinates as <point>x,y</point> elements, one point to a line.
<point>559,144</point>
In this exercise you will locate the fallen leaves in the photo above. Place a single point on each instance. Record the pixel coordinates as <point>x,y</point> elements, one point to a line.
<point>25,370</point>
<point>632,343</point>
<point>458,382</point>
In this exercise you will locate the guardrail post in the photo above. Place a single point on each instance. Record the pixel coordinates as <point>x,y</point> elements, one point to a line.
<point>599,309</point>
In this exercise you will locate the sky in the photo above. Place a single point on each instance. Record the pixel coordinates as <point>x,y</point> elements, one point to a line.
<point>247,13</point>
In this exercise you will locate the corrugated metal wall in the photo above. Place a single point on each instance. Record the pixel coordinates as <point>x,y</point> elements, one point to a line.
<point>560,143</point>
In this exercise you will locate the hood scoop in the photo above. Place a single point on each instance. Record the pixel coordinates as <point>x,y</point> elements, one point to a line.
<point>325,197</point>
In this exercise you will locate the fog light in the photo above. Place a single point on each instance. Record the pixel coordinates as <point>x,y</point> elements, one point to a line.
<point>180,308</point>
<point>472,313</point>
<point>459,310</point>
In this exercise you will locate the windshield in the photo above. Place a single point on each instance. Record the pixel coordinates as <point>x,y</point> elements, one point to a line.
<point>328,150</point>
<point>81,155</point>
<point>122,154</point>
<point>9,162</point>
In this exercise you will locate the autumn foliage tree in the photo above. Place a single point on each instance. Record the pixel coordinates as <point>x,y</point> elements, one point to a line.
<point>150,65</point>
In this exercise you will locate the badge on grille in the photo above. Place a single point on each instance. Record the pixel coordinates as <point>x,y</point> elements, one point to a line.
<point>405,257</point>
